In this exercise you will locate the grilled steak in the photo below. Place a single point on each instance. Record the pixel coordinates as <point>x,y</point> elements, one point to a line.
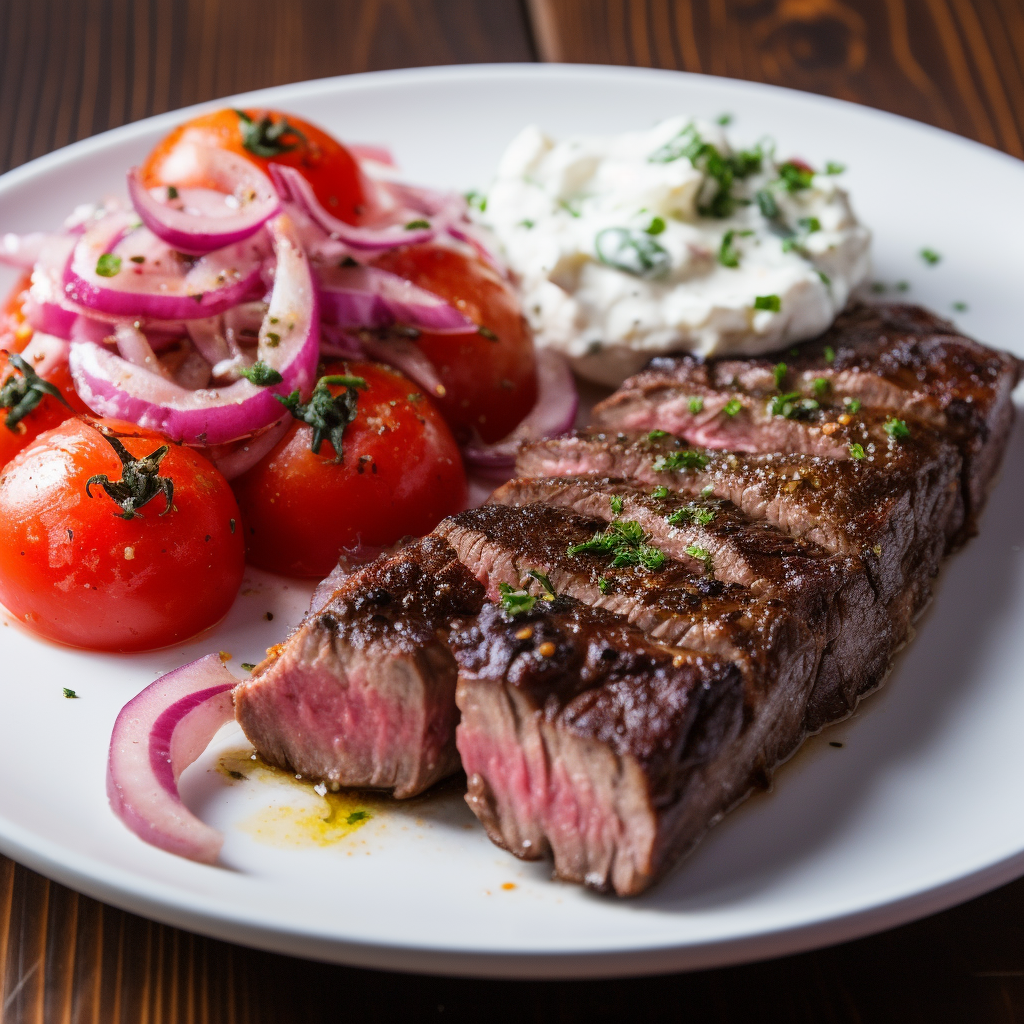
<point>901,359</point>
<point>583,737</point>
<point>363,693</point>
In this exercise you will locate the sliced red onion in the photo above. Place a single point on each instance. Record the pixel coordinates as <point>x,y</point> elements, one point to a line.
<point>288,343</point>
<point>408,358</point>
<point>134,347</point>
<point>369,297</point>
<point>339,343</point>
<point>201,220</point>
<point>22,251</point>
<point>554,413</point>
<point>294,188</point>
<point>44,309</point>
<point>157,735</point>
<point>160,286</point>
<point>45,352</point>
<point>241,456</point>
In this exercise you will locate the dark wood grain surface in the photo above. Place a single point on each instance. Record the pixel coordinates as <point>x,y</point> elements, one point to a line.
<point>70,68</point>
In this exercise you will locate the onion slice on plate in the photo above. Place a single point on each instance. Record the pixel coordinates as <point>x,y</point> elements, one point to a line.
<point>288,342</point>
<point>554,413</point>
<point>200,220</point>
<point>142,276</point>
<point>356,297</point>
<point>157,735</point>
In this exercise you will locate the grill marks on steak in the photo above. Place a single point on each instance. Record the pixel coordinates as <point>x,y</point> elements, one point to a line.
<point>363,693</point>
<point>901,359</point>
<point>583,737</point>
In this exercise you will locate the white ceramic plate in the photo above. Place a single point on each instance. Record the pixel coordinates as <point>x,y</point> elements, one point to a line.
<point>919,809</point>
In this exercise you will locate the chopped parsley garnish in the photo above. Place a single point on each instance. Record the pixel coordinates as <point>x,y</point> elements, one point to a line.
<point>767,205</point>
<point>770,302</point>
<point>657,435</point>
<point>616,504</point>
<point>266,138</point>
<point>878,287</point>
<point>486,332</point>
<point>852,404</point>
<point>273,339</point>
<point>701,554</point>
<point>248,666</point>
<point>688,458</point>
<point>477,201</point>
<point>660,492</point>
<point>172,192</point>
<point>897,429</point>
<point>140,481</point>
<point>69,693</point>
<point>603,585</point>
<point>779,371</point>
<point>830,354</point>
<point>960,307</point>
<point>515,602</point>
<point>691,513</point>
<point>728,255</point>
<point>795,177</point>
<point>137,259</point>
<point>810,224</point>
<point>656,226</point>
<point>626,543</point>
<point>357,816</point>
<point>930,256</point>
<point>633,252</point>
<point>724,119</point>
<point>903,286</point>
<point>108,265</point>
<point>327,414</point>
<point>261,375</point>
<point>526,223</point>
<point>834,168</point>
<point>856,451</point>
<point>696,405</point>
<point>24,390</point>
<point>414,225</point>
<point>706,492</point>
<point>732,407</point>
<point>721,169</point>
<point>824,278</point>
<point>821,386</point>
<point>792,406</point>
<point>542,579</point>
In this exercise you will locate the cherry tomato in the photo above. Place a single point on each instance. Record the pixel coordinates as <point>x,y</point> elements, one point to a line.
<point>323,161</point>
<point>400,474</point>
<point>113,573</point>
<point>490,379</point>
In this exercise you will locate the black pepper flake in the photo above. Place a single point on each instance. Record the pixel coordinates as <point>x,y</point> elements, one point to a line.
<point>269,616</point>
<point>833,743</point>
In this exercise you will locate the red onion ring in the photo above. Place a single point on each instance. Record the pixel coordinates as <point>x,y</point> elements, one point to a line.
<point>408,358</point>
<point>236,459</point>
<point>213,284</point>
<point>288,343</point>
<point>293,188</point>
<point>22,251</point>
<point>219,226</point>
<point>554,413</point>
<point>157,735</point>
<point>354,297</point>
<point>44,309</point>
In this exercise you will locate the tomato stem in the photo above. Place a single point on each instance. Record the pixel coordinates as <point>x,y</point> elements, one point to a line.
<point>22,394</point>
<point>140,481</point>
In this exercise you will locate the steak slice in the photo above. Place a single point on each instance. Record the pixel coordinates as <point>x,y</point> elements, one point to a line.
<point>896,509</point>
<point>583,737</point>
<point>830,594</point>
<point>898,358</point>
<point>363,693</point>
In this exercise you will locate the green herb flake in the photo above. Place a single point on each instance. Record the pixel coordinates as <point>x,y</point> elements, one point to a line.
<point>70,694</point>
<point>137,259</point>
<point>701,554</point>
<point>809,224</point>
<point>696,405</point>
<point>108,265</point>
<point>603,585</point>
<point>691,513</point>
<point>660,492</point>
<point>770,302</point>
<point>821,386</point>
<point>779,371</point>
<point>960,307</point>
<point>688,458</point>
<point>903,286</point>
<point>616,503</point>
<point>706,492</point>
<point>172,192</point>
<point>724,120</point>
<point>327,414</point>
<point>486,332</point>
<point>626,543</point>
<point>477,201</point>
<point>265,137</point>
<point>792,406</point>
<point>357,816</point>
<point>795,177</point>
<point>767,205</point>
<point>657,435</point>
<point>824,278</point>
<point>632,252</point>
<point>896,429</point>
<point>728,255</point>
<point>261,375</point>
<point>542,579</point>
<point>856,451</point>
<point>930,256</point>
<point>830,354</point>
<point>415,225</point>
<point>526,223</point>
<point>273,339</point>
<point>733,406</point>
<point>852,404</point>
<point>656,226</point>
<point>515,602</point>
<point>248,666</point>
<point>834,168</point>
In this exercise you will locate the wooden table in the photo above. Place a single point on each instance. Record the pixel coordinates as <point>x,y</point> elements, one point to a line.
<point>69,68</point>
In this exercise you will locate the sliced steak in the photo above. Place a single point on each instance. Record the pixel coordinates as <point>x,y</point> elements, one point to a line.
<point>896,508</point>
<point>897,358</point>
<point>363,693</point>
<point>583,737</point>
<point>831,594</point>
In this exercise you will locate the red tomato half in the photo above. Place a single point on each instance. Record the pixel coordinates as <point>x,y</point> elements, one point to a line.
<point>490,379</point>
<point>73,570</point>
<point>323,161</point>
<point>401,474</point>
<point>15,332</point>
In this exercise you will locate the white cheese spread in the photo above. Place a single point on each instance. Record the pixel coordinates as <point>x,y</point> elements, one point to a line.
<point>670,240</point>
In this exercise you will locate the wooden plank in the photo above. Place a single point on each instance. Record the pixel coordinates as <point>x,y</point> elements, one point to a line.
<point>953,63</point>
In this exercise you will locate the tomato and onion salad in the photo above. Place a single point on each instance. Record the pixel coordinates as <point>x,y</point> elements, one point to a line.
<point>265,252</point>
